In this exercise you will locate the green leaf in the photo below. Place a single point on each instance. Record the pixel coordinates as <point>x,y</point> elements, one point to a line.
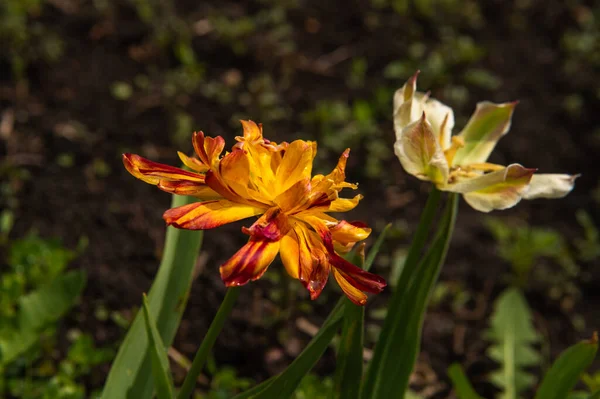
<point>285,383</point>
<point>289,379</point>
<point>131,372</point>
<point>398,345</point>
<point>401,285</point>
<point>567,369</point>
<point>595,395</point>
<point>163,380</point>
<point>462,385</point>
<point>512,335</point>
<point>39,309</point>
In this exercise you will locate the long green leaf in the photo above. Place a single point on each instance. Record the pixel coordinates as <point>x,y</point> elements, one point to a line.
<point>398,351</point>
<point>350,352</point>
<point>417,245</point>
<point>313,351</point>
<point>567,369</point>
<point>284,385</point>
<point>349,365</point>
<point>163,380</point>
<point>512,335</point>
<point>462,385</point>
<point>38,309</point>
<point>131,373</point>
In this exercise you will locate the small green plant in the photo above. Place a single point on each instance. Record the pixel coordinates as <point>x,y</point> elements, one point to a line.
<point>37,291</point>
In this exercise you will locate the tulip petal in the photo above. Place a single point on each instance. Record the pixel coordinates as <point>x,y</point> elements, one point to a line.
<point>354,294</point>
<point>347,232</point>
<point>208,149</point>
<point>208,214</point>
<point>193,189</point>
<point>295,198</point>
<point>296,165</point>
<point>344,204</point>
<point>550,186</point>
<point>250,262</point>
<point>405,112</point>
<point>497,190</point>
<point>487,125</point>
<point>289,251</point>
<point>420,153</point>
<point>153,172</point>
<point>192,163</point>
<point>271,226</point>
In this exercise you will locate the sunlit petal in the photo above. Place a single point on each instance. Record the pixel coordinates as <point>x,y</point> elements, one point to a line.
<point>296,197</point>
<point>296,164</point>
<point>354,294</point>
<point>344,204</point>
<point>250,262</point>
<point>487,125</point>
<point>193,189</point>
<point>209,214</point>
<point>153,172</point>
<point>192,163</point>
<point>208,149</point>
<point>550,186</point>
<point>272,226</point>
<point>420,153</point>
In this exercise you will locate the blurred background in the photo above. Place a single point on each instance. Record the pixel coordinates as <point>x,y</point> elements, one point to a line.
<point>83,81</point>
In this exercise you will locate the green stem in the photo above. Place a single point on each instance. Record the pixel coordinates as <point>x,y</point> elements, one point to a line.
<point>207,343</point>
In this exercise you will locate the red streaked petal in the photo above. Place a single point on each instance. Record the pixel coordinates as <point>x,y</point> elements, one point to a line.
<point>249,263</point>
<point>271,226</point>
<point>188,188</point>
<point>208,214</point>
<point>347,232</point>
<point>359,278</point>
<point>354,294</point>
<point>153,172</point>
<point>208,149</point>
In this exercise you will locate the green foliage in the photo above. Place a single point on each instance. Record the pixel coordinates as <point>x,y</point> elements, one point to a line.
<point>512,335</point>
<point>168,295</point>
<point>37,292</point>
<point>589,245</point>
<point>163,380</point>
<point>23,39</point>
<point>567,369</point>
<point>315,387</point>
<point>523,246</point>
<point>461,383</point>
<point>225,383</point>
<point>398,345</point>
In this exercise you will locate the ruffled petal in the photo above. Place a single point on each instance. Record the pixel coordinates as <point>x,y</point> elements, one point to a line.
<point>352,279</point>
<point>153,172</point>
<point>550,186</point>
<point>487,125</point>
<point>295,198</point>
<point>209,214</point>
<point>193,189</point>
<point>272,226</point>
<point>344,204</point>
<point>346,234</point>
<point>420,153</point>
<point>296,165</point>
<point>250,262</point>
<point>192,163</point>
<point>208,149</point>
<point>354,294</point>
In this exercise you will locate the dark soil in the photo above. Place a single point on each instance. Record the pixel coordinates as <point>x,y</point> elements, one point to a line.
<point>66,107</point>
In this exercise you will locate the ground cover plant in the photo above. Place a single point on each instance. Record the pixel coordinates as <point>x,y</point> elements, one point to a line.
<point>84,82</point>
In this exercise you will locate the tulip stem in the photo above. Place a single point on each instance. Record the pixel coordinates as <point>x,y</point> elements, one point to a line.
<point>207,343</point>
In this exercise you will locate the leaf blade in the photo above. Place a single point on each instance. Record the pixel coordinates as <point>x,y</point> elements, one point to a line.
<point>163,380</point>
<point>566,370</point>
<point>130,374</point>
<point>460,382</point>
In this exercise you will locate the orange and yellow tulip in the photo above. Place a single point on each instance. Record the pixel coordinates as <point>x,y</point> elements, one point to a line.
<point>273,181</point>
